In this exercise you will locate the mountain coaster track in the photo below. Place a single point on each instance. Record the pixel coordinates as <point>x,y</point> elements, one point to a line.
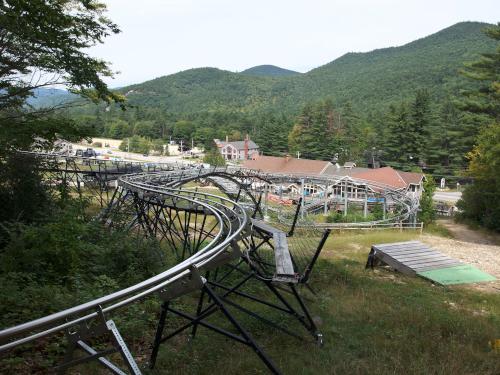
<point>213,237</point>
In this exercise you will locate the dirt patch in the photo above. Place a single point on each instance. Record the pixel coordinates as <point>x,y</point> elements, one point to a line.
<point>485,256</point>
<point>463,233</point>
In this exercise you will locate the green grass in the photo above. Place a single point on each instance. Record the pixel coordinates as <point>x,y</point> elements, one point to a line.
<point>439,230</point>
<point>373,322</point>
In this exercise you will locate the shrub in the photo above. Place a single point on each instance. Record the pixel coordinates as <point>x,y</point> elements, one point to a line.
<point>66,261</point>
<point>427,213</point>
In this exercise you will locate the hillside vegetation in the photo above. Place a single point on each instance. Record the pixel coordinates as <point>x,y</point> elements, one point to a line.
<point>400,101</point>
<point>269,71</point>
<point>368,80</point>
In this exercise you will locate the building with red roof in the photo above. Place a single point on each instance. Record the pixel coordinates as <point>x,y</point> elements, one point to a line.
<point>388,176</point>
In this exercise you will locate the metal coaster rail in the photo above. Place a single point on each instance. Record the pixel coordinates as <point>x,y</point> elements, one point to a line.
<point>161,185</point>
<point>221,208</point>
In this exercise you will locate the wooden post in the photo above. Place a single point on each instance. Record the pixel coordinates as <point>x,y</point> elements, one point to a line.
<point>365,208</point>
<point>303,196</point>
<point>325,213</point>
<point>266,186</point>
<point>345,198</point>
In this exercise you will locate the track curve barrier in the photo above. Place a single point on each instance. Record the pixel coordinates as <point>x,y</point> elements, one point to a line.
<point>210,222</point>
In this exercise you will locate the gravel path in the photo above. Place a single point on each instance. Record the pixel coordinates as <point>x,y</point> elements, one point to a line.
<point>472,247</point>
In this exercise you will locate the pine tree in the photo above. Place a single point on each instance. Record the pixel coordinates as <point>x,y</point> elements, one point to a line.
<point>427,213</point>
<point>396,147</point>
<point>486,98</point>
<point>318,133</point>
<point>418,134</point>
<point>360,135</point>
<point>480,201</point>
<point>272,136</point>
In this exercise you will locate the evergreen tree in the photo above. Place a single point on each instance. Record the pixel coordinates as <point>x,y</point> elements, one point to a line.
<point>480,201</point>
<point>396,143</point>
<point>485,99</point>
<point>427,213</point>
<point>418,132</point>
<point>318,133</point>
<point>272,136</point>
<point>359,136</point>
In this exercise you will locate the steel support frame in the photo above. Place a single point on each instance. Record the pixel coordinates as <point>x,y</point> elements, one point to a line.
<point>216,303</point>
<point>77,341</point>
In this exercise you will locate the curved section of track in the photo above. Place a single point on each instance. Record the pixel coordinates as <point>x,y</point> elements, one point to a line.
<point>231,220</point>
<point>232,223</point>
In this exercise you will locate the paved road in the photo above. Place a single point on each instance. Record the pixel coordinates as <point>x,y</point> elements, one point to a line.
<point>447,196</point>
<point>130,156</point>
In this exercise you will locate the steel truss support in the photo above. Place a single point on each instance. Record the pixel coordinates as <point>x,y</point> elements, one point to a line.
<point>301,312</point>
<point>215,297</point>
<point>216,303</point>
<point>77,340</point>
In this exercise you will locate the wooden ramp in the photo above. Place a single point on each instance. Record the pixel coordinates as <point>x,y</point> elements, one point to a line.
<point>416,258</point>
<point>409,257</point>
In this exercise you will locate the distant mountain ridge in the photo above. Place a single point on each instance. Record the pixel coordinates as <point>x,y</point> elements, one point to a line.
<point>47,97</point>
<point>369,81</point>
<point>269,71</point>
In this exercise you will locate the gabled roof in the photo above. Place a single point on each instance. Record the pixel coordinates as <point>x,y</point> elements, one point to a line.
<point>411,177</point>
<point>389,176</point>
<point>334,170</point>
<point>239,145</point>
<point>286,165</point>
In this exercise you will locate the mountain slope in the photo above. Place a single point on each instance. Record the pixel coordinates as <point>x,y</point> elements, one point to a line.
<point>202,89</point>
<point>367,80</point>
<point>47,97</point>
<point>391,74</point>
<point>370,81</point>
<point>269,71</point>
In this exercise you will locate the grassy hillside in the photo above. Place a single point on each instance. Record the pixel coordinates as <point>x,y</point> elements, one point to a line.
<point>369,80</point>
<point>269,71</point>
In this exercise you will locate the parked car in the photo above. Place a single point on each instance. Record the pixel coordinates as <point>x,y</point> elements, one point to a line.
<point>88,153</point>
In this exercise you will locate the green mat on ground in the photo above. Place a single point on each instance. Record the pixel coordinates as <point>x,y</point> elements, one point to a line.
<point>457,275</point>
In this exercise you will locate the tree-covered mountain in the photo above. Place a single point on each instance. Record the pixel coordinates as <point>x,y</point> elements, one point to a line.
<point>368,80</point>
<point>269,71</point>
<point>399,103</point>
<point>48,97</point>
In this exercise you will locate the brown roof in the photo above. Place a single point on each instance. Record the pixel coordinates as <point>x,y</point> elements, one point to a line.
<point>286,165</point>
<point>334,171</point>
<point>411,177</point>
<point>389,176</point>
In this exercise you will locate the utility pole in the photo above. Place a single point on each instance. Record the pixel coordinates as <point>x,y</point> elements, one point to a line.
<point>298,154</point>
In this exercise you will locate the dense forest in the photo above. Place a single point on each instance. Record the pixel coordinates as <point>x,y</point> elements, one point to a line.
<point>269,71</point>
<point>398,103</point>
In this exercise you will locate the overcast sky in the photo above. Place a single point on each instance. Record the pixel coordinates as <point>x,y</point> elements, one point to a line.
<point>161,37</point>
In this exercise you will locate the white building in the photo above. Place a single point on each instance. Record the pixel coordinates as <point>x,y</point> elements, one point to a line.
<point>237,150</point>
